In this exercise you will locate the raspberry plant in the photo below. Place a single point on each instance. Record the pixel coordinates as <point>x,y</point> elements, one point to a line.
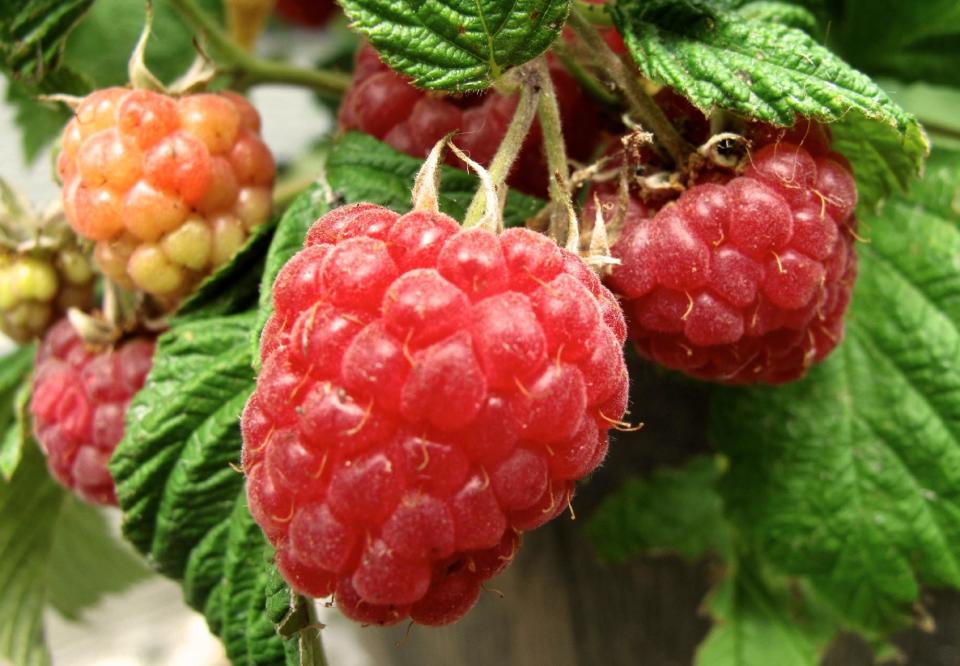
<point>394,388</point>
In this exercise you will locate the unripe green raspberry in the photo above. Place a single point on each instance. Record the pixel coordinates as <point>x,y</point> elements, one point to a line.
<point>34,280</point>
<point>38,287</point>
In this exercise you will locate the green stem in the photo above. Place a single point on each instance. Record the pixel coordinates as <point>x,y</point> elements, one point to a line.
<point>255,70</point>
<point>595,13</point>
<point>642,107</point>
<point>311,642</point>
<point>554,147</point>
<point>510,145</point>
<point>587,81</point>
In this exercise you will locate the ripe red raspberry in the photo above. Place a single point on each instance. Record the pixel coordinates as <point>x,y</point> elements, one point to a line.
<point>169,188</point>
<point>310,13</point>
<point>38,287</point>
<point>427,393</point>
<point>385,105</point>
<point>746,279</point>
<point>80,398</point>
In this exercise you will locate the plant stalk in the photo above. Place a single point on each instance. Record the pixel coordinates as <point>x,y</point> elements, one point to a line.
<point>255,70</point>
<point>311,645</point>
<point>548,112</point>
<point>511,144</point>
<point>642,107</point>
<point>590,83</point>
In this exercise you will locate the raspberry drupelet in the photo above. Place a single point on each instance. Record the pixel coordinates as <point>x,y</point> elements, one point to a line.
<point>168,187</point>
<point>427,393</point>
<point>746,279</point>
<point>80,398</point>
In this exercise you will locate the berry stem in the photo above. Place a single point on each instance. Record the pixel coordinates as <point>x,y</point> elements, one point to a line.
<point>595,13</point>
<point>587,81</point>
<point>252,70</point>
<point>548,112</point>
<point>311,642</point>
<point>642,107</point>
<point>512,142</point>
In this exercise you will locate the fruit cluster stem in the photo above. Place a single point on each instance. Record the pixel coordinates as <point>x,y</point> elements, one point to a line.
<point>641,106</point>
<point>512,142</point>
<point>587,81</point>
<point>255,70</point>
<point>555,149</point>
<point>312,652</point>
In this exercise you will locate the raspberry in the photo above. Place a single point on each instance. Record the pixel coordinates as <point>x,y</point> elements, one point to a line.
<point>36,288</point>
<point>746,279</point>
<point>309,13</point>
<point>169,188</point>
<point>80,398</point>
<point>385,105</point>
<point>427,393</point>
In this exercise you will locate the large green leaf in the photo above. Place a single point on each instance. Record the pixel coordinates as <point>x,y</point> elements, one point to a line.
<point>851,477</point>
<point>33,33</point>
<point>87,561</point>
<point>14,368</point>
<point>180,486</point>
<point>458,44</point>
<point>53,550</point>
<point>754,65</point>
<point>29,504</point>
<point>913,41</point>
<point>675,510</point>
<point>761,619</point>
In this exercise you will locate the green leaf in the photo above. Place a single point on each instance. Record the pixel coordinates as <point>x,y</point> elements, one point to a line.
<point>851,477</point>
<point>675,510</point>
<point>721,58</point>
<point>180,486</point>
<point>32,36</point>
<point>914,41</point>
<point>458,44</point>
<point>14,396</point>
<point>39,122</point>
<point>287,241</point>
<point>87,561</point>
<point>935,107</point>
<point>883,161</point>
<point>785,13</point>
<point>173,467</point>
<point>102,42</point>
<point>29,504</point>
<point>761,620</point>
